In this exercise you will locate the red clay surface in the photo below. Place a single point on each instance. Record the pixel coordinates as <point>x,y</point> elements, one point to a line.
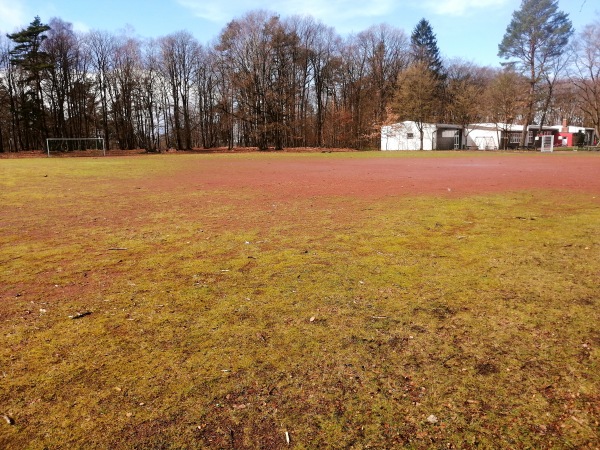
<point>455,175</point>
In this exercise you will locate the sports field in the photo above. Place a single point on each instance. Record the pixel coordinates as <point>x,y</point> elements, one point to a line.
<point>279,300</point>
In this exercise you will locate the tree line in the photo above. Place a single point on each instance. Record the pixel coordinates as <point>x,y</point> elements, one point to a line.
<point>271,82</point>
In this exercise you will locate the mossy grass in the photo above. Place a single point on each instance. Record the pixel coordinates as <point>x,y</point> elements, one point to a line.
<point>218,320</point>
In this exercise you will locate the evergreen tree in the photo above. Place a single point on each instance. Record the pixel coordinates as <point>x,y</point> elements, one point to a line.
<point>27,53</point>
<point>424,49</point>
<point>29,56</point>
<point>536,36</point>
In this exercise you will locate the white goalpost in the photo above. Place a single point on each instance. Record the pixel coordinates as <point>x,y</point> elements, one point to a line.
<point>65,145</point>
<point>547,143</point>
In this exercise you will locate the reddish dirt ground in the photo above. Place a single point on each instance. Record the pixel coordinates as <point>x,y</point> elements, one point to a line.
<point>457,175</point>
<point>281,176</point>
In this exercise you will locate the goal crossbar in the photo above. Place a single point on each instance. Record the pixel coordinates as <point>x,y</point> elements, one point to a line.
<point>70,144</point>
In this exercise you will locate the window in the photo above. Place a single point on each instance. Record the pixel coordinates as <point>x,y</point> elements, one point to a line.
<point>410,135</point>
<point>515,138</point>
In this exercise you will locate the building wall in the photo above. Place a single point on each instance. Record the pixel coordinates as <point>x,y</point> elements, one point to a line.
<point>569,134</point>
<point>445,138</point>
<point>564,140</point>
<point>406,136</point>
<point>483,139</point>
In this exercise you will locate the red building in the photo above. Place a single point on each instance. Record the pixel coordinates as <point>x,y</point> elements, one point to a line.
<point>568,135</point>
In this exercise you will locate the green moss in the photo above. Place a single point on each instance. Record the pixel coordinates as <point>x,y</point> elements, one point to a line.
<point>347,329</point>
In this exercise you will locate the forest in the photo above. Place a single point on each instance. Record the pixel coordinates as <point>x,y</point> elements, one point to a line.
<point>273,82</point>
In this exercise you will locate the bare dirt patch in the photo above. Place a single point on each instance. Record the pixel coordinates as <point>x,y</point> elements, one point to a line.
<point>431,300</point>
<point>368,177</point>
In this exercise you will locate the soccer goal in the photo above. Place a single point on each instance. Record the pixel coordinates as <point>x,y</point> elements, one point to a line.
<point>60,146</point>
<point>547,143</point>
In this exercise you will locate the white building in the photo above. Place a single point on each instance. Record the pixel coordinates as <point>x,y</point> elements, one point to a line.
<point>480,136</point>
<point>492,136</point>
<point>406,136</point>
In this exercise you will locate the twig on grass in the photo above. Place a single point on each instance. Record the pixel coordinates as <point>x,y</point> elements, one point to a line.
<point>231,438</point>
<point>448,359</point>
<point>11,259</point>
<point>80,315</point>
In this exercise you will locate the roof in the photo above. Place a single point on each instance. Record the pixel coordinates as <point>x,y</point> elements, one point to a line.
<point>546,127</point>
<point>449,126</point>
<point>427,125</point>
<point>572,129</point>
<point>495,126</point>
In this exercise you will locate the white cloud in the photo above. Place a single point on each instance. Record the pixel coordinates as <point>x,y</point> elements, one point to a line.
<point>328,11</point>
<point>81,27</point>
<point>12,15</point>
<point>462,7</point>
<point>213,12</point>
<point>338,9</point>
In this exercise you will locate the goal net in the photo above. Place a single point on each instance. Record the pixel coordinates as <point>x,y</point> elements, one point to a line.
<point>83,146</point>
<point>547,143</point>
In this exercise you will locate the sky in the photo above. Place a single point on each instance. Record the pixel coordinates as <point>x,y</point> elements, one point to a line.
<point>467,29</point>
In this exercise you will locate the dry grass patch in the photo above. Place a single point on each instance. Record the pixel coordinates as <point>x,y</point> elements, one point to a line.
<point>226,318</point>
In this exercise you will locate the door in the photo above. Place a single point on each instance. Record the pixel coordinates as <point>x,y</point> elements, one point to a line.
<point>457,137</point>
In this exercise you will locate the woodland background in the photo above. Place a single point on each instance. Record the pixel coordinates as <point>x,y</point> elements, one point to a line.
<point>268,82</point>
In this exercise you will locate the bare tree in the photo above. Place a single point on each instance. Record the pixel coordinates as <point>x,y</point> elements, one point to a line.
<point>258,52</point>
<point>321,47</point>
<point>567,104</point>
<point>387,54</point>
<point>465,86</point>
<point>101,46</point>
<point>506,101</point>
<point>416,98</point>
<point>351,94</point>
<point>123,90</point>
<point>586,73</point>
<point>7,125</point>
<point>149,95</point>
<point>68,88</point>
<point>551,77</point>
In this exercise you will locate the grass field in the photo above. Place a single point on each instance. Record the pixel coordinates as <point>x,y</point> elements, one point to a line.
<point>163,302</point>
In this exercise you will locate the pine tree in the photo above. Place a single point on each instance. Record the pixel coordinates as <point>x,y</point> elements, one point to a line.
<point>29,56</point>
<point>424,49</point>
<point>27,53</point>
<point>536,36</point>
